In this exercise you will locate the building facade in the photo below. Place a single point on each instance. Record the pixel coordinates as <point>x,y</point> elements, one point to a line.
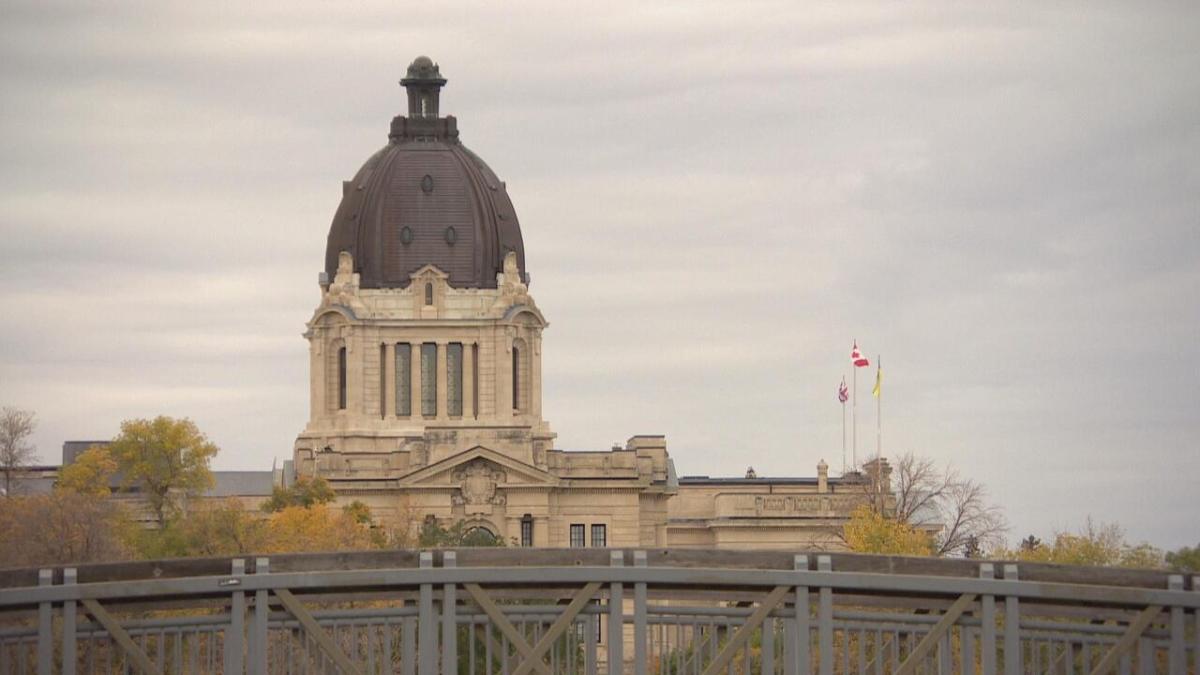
<point>425,361</point>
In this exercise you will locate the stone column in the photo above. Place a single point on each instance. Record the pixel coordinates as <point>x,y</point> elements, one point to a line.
<point>822,477</point>
<point>468,383</point>
<point>441,380</point>
<point>389,381</point>
<point>503,370</point>
<point>354,374</point>
<point>414,370</point>
<point>317,380</point>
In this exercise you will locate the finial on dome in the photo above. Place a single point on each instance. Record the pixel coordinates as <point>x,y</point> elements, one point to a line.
<point>424,82</point>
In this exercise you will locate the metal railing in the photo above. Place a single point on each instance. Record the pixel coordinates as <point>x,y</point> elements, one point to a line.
<point>596,611</point>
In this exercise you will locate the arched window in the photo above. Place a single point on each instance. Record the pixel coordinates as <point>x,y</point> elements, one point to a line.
<point>341,378</point>
<point>521,380</point>
<point>428,294</point>
<point>527,530</point>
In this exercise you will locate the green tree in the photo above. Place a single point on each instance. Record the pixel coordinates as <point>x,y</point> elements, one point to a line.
<point>90,474</point>
<point>1186,559</point>
<point>164,458</point>
<point>458,535</point>
<point>305,493</point>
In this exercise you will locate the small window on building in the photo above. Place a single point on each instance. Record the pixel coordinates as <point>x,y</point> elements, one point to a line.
<point>516,378</point>
<point>341,365</point>
<point>403,379</point>
<point>599,536</point>
<point>383,384</point>
<point>429,379</point>
<point>577,534</point>
<point>454,379</point>
<point>527,530</point>
<point>428,294</point>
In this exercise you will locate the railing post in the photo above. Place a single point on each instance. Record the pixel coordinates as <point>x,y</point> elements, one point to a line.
<point>987,635</point>
<point>69,648</point>
<point>825,618</point>
<point>589,644</point>
<point>639,618</point>
<point>449,620</point>
<point>1012,627</point>
<point>234,632</point>
<point>616,619</point>
<point>45,643</point>
<point>426,625</point>
<point>258,634</point>
<point>795,629</point>
<point>1196,624</point>
<point>1177,656</point>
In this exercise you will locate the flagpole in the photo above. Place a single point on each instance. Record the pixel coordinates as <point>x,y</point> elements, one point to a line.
<point>843,428</point>
<point>854,418</point>
<point>879,408</point>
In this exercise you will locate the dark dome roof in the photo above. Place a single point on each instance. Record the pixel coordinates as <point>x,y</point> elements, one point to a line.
<point>425,199</point>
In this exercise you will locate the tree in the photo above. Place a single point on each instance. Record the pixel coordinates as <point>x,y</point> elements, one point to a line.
<point>16,452</point>
<point>318,528</point>
<point>62,527</point>
<point>869,531</point>
<point>305,492</point>
<point>458,535</point>
<point>1095,544</point>
<point>90,474</point>
<point>1185,559</point>
<point>164,458</point>
<point>223,528</point>
<point>930,498</point>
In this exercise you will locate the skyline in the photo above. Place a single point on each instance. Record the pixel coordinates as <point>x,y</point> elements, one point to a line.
<point>1001,203</point>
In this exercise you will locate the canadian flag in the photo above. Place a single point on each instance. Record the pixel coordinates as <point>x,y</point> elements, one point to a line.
<point>857,358</point>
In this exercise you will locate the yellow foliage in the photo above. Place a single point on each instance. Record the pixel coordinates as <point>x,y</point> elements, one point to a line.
<point>318,528</point>
<point>60,528</point>
<point>1101,545</point>
<point>164,457</point>
<point>90,473</point>
<point>870,532</point>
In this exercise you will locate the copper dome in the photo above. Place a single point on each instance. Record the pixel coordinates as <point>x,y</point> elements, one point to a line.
<point>424,199</point>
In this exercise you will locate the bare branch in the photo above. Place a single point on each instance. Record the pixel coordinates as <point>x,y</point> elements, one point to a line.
<point>16,452</point>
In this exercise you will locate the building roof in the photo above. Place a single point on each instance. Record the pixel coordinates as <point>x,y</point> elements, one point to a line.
<point>761,480</point>
<point>241,484</point>
<point>425,199</point>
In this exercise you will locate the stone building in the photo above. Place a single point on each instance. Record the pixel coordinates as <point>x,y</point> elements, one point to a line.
<point>426,376</point>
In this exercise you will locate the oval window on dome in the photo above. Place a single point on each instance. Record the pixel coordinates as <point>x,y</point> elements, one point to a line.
<point>451,236</point>
<point>427,184</point>
<point>406,235</point>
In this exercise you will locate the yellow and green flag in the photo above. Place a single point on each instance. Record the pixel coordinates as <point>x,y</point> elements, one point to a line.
<point>878,379</point>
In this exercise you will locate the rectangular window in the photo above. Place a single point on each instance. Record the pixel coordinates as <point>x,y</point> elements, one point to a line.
<point>454,379</point>
<point>475,380</point>
<point>403,379</point>
<point>577,530</point>
<point>599,536</point>
<point>341,378</point>
<point>383,381</point>
<point>527,531</point>
<point>429,379</point>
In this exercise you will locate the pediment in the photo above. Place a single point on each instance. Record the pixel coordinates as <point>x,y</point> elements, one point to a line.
<point>473,463</point>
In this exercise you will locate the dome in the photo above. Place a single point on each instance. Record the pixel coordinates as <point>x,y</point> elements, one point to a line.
<point>425,199</point>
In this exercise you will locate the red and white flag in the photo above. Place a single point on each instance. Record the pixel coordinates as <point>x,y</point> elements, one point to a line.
<point>843,392</point>
<point>857,358</point>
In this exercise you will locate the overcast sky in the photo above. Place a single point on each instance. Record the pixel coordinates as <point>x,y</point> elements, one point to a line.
<point>716,199</point>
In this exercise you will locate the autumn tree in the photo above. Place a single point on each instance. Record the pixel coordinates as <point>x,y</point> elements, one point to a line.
<point>62,527</point>
<point>304,492</point>
<point>869,531</point>
<point>1095,544</point>
<point>458,535</point>
<point>164,458</point>
<point>927,497</point>
<point>222,528</point>
<point>16,452</point>
<point>90,474</point>
<point>319,528</point>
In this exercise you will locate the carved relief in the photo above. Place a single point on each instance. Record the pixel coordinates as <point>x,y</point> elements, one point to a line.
<point>477,487</point>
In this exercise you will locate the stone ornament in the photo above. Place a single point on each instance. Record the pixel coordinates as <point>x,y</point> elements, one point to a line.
<point>477,487</point>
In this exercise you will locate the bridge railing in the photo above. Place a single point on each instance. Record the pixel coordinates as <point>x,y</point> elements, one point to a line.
<point>595,612</point>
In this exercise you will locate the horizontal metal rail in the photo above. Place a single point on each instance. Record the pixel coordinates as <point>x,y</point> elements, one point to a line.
<point>431,616</point>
